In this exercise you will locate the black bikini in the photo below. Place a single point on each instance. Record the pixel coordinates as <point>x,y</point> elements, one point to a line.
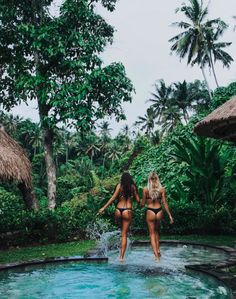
<point>123,209</point>
<point>156,211</point>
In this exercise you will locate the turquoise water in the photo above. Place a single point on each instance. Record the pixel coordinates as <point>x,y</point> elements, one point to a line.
<point>139,277</point>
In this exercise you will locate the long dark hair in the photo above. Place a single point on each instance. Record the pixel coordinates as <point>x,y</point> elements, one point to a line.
<point>126,183</point>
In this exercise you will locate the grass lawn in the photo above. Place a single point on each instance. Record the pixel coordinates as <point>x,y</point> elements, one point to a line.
<point>220,240</point>
<point>51,250</point>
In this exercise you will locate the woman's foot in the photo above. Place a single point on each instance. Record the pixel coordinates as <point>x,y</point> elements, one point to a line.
<point>121,259</point>
<point>157,258</point>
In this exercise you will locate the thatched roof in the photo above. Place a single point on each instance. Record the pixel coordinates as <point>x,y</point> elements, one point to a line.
<point>221,123</point>
<point>14,165</point>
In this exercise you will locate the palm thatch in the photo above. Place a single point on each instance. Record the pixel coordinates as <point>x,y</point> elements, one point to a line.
<point>14,165</point>
<point>221,123</point>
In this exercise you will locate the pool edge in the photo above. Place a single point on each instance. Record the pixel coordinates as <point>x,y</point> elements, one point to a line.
<point>51,260</point>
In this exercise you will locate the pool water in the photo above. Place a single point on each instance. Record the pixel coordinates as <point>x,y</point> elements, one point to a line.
<point>140,276</point>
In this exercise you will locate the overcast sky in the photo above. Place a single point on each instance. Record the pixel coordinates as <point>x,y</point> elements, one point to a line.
<point>143,29</point>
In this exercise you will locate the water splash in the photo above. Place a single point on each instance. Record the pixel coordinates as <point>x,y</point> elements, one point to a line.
<point>95,229</point>
<point>109,241</point>
<point>107,238</point>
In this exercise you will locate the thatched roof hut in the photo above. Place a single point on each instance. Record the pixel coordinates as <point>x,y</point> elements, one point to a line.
<point>221,123</point>
<point>15,166</point>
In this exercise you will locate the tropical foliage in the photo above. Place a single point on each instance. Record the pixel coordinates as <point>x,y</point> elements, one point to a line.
<point>55,61</point>
<point>172,105</point>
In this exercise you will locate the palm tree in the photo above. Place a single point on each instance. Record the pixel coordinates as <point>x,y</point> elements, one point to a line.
<point>105,130</point>
<point>189,42</point>
<point>214,50</point>
<point>9,122</point>
<point>198,96</point>
<point>29,134</point>
<point>175,102</point>
<point>155,137</point>
<point>182,98</point>
<point>126,130</point>
<point>234,17</point>
<point>160,98</point>
<point>92,150</point>
<point>69,141</point>
<point>36,138</point>
<point>171,118</point>
<point>147,121</point>
<point>170,103</point>
<point>197,40</point>
<point>190,97</point>
<point>113,152</point>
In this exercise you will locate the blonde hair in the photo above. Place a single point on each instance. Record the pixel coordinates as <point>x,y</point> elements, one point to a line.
<point>154,186</point>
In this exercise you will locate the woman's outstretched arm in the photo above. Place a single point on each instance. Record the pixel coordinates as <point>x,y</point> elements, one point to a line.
<point>110,201</point>
<point>144,197</point>
<point>163,196</point>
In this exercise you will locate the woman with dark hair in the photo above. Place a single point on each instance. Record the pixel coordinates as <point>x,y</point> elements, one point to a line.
<point>124,191</point>
<point>155,195</point>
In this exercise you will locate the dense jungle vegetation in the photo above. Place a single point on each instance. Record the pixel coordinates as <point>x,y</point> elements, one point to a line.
<point>76,95</point>
<point>198,174</point>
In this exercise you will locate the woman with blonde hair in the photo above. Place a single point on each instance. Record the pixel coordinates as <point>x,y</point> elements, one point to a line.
<point>155,195</point>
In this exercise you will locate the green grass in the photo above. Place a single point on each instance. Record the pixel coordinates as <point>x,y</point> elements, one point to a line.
<point>52,250</point>
<point>220,240</point>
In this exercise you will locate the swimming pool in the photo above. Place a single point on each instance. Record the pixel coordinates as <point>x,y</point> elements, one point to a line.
<point>140,276</point>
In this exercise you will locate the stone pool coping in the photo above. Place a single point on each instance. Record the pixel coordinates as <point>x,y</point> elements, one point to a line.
<point>212,269</point>
<point>60,259</point>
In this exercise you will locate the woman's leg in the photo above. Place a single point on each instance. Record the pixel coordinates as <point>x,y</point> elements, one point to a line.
<point>157,236</point>
<point>150,218</point>
<point>126,220</point>
<point>117,217</point>
<point>159,217</point>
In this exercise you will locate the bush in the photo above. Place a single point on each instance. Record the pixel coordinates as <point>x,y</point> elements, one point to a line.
<point>75,177</point>
<point>49,226</point>
<point>11,211</point>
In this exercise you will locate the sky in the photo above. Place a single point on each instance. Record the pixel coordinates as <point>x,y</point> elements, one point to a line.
<point>143,29</point>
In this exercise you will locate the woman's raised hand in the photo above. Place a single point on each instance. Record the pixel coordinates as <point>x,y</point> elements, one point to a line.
<point>101,211</point>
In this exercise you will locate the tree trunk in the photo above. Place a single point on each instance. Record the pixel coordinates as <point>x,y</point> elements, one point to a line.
<point>47,142</point>
<point>185,116</point>
<point>205,79</point>
<point>213,70</point>
<point>67,153</point>
<point>50,166</point>
<point>135,153</point>
<point>48,154</point>
<point>29,197</point>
